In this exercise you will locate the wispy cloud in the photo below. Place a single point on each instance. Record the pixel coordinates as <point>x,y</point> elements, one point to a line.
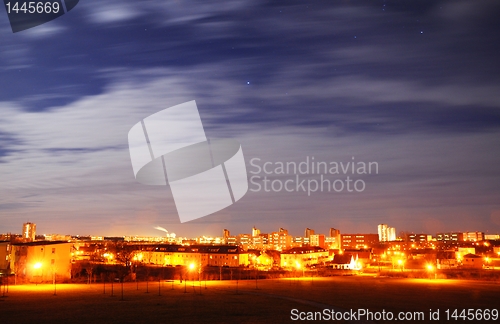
<point>76,157</point>
<point>110,13</point>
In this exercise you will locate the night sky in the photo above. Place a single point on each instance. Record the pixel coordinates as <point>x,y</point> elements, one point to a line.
<point>411,85</point>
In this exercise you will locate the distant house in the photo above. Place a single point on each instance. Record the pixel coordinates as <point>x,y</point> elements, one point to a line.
<point>363,255</point>
<point>341,261</point>
<point>447,260</point>
<point>4,256</point>
<point>303,256</point>
<point>200,255</point>
<point>472,261</point>
<point>348,261</point>
<point>41,261</point>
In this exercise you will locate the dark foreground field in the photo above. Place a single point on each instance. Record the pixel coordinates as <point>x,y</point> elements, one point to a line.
<point>238,302</point>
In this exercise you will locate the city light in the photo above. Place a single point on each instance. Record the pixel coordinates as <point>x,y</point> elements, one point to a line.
<point>138,257</point>
<point>108,256</point>
<point>295,258</point>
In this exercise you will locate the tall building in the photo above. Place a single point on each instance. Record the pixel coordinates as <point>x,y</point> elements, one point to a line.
<point>29,231</point>
<point>358,241</point>
<point>244,240</point>
<point>334,232</point>
<point>391,233</point>
<point>334,239</point>
<point>308,232</point>
<point>473,236</point>
<point>280,240</point>
<point>386,233</point>
<point>255,232</point>
<point>317,240</point>
<point>382,232</point>
<point>450,237</point>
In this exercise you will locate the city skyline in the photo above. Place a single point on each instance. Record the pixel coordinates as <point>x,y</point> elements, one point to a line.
<point>253,232</point>
<point>412,88</point>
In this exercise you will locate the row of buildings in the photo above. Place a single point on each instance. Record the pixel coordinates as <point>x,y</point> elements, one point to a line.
<point>282,240</point>
<point>43,261</point>
<point>49,259</point>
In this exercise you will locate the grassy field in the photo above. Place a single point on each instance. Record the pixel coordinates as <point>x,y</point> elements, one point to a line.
<point>265,301</point>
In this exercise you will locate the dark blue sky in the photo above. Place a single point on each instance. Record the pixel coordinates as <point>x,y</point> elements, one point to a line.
<point>411,85</point>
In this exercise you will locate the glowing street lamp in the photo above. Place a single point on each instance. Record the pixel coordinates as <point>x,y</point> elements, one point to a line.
<point>37,266</point>
<point>191,267</point>
<point>430,268</point>
<point>401,264</point>
<point>298,266</point>
<point>487,260</point>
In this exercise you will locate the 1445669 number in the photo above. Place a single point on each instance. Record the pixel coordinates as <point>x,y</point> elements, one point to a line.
<point>472,314</point>
<point>33,7</point>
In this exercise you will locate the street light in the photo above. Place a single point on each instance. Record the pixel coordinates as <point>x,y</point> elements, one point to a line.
<point>430,268</point>
<point>191,267</point>
<point>298,266</point>
<point>401,264</point>
<point>487,260</point>
<point>38,266</point>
